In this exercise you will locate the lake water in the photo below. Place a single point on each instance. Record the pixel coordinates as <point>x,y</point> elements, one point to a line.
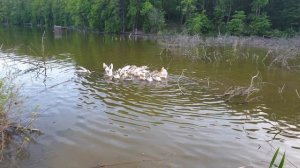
<point>88,120</point>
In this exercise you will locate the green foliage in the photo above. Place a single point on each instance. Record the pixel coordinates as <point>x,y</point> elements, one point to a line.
<point>147,7</point>
<point>59,11</point>
<point>219,15</point>
<point>237,24</point>
<point>260,25</point>
<point>277,33</point>
<point>257,5</point>
<point>7,91</point>
<point>133,9</point>
<point>281,164</point>
<point>154,18</point>
<point>199,24</point>
<point>2,97</point>
<point>155,15</point>
<point>79,11</point>
<point>96,18</point>
<point>112,21</point>
<point>187,8</point>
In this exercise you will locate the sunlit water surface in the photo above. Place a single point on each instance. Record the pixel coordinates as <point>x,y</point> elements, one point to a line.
<point>88,120</point>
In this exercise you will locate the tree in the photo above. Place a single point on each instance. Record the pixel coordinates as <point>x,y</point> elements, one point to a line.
<point>237,23</point>
<point>219,15</point>
<point>133,12</point>
<point>187,8</point>
<point>60,14</point>
<point>257,5</point>
<point>96,19</point>
<point>260,25</point>
<point>112,17</point>
<point>5,11</point>
<point>79,11</point>
<point>198,24</point>
<point>117,16</point>
<point>153,18</point>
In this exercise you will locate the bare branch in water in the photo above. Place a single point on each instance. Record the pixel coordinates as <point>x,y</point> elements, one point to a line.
<point>281,52</point>
<point>207,82</point>
<point>56,85</point>
<point>178,81</point>
<point>297,93</point>
<point>43,46</point>
<point>280,90</point>
<point>3,142</point>
<point>242,93</point>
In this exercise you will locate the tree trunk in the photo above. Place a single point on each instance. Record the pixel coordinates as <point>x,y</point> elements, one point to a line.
<point>123,15</point>
<point>229,12</point>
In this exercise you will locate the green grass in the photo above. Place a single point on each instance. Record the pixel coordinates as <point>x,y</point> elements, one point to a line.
<point>281,164</point>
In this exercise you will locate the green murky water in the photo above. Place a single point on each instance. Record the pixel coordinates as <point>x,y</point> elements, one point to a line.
<point>88,120</point>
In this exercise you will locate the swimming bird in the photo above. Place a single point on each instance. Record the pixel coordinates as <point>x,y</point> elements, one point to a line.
<point>163,73</point>
<point>158,75</point>
<point>82,71</point>
<point>149,77</point>
<point>156,78</point>
<point>130,72</point>
<point>108,69</point>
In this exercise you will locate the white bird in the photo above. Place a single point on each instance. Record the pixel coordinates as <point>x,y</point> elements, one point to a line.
<point>116,76</point>
<point>108,69</point>
<point>156,78</point>
<point>163,73</point>
<point>83,71</point>
<point>130,72</point>
<point>149,78</point>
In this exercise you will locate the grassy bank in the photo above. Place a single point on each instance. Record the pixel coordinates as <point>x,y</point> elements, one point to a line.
<point>15,130</point>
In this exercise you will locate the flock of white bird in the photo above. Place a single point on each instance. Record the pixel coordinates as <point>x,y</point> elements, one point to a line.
<point>130,72</point>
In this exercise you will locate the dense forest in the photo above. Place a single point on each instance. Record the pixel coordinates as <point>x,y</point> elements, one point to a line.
<point>236,17</point>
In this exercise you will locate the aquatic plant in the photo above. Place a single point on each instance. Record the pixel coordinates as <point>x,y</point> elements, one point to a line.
<point>279,52</point>
<point>281,164</point>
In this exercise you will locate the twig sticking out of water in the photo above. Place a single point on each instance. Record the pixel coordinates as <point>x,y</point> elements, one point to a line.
<point>43,46</point>
<point>165,51</point>
<point>281,52</point>
<point>264,59</point>
<point>40,65</point>
<point>207,82</point>
<point>280,90</point>
<point>44,59</point>
<point>3,143</point>
<point>241,92</point>
<point>251,87</point>
<point>297,93</point>
<point>283,57</point>
<point>178,81</point>
<point>55,85</point>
